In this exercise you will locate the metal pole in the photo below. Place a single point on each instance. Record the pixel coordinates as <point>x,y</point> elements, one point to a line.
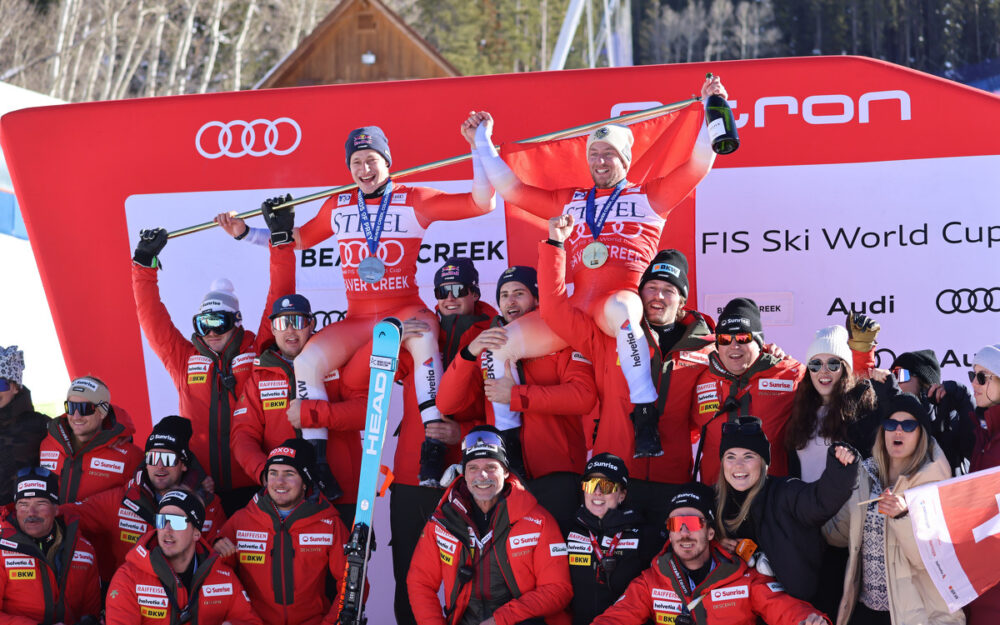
<point>552,136</point>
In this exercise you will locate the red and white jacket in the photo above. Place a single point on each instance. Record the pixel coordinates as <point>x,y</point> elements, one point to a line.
<point>732,594</point>
<point>260,421</point>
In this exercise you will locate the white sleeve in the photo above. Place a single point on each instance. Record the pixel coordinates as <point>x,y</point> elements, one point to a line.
<point>258,236</point>
<point>498,173</point>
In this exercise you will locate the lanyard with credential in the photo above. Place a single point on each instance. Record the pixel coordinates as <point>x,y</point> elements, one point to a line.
<point>597,548</point>
<point>374,233</point>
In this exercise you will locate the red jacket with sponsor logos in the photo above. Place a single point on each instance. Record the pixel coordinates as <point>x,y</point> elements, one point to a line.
<point>732,594</point>
<point>260,423</point>
<point>284,564</point>
<point>208,383</point>
<point>676,370</point>
<point>31,589</point>
<point>557,390</point>
<point>107,461</point>
<point>116,519</point>
<point>525,545</point>
<point>456,332</point>
<point>146,591</point>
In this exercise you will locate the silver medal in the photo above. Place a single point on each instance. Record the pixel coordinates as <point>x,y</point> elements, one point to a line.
<point>371,269</point>
<point>595,255</point>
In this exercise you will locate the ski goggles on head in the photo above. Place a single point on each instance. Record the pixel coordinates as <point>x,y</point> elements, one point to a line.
<point>732,427</point>
<point>607,486</point>
<point>832,365</point>
<point>454,290</point>
<point>980,377</point>
<point>901,374</point>
<point>177,522</point>
<point>82,408</point>
<point>215,322</point>
<point>4,385</point>
<point>42,472</point>
<point>165,458</point>
<point>691,522</point>
<point>891,425</point>
<point>473,440</point>
<point>743,338</point>
<point>290,322</point>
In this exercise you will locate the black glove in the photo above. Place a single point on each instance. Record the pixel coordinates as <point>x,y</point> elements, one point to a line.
<point>151,243</point>
<point>279,222</point>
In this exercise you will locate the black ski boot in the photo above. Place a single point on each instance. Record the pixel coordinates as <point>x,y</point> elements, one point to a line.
<point>647,431</point>
<point>432,462</point>
<point>325,480</point>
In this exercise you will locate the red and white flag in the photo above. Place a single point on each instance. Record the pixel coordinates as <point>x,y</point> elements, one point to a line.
<point>957,526</point>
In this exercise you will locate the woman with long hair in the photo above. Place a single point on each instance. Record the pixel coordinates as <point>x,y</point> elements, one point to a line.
<point>886,582</point>
<point>774,522</point>
<point>836,405</point>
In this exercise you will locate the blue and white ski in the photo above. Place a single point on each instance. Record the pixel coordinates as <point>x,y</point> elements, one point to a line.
<point>384,361</point>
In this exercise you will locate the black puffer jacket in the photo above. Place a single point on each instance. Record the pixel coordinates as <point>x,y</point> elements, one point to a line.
<point>595,589</point>
<point>21,433</point>
<point>786,518</point>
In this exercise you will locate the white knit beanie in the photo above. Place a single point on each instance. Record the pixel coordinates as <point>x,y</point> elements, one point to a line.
<point>221,298</point>
<point>989,358</point>
<point>617,136</point>
<point>831,340</point>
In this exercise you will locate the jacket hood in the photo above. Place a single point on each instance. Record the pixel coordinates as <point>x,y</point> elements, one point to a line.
<point>19,405</point>
<point>139,556</point>
<point>117,425</point>
<point>515,496</point>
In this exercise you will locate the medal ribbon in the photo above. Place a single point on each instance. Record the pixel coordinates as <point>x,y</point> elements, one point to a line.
<point>597,548</point>
<point>373,234</point>
<point>596,221</point>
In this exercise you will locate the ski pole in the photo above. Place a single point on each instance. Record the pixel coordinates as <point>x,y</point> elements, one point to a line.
<point>552,136</point>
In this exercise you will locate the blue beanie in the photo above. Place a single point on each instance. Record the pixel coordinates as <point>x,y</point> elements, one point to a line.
<point>519,273</point>
<point>367,138</point>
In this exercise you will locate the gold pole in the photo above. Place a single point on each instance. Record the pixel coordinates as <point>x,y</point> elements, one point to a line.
<point>552,136</point>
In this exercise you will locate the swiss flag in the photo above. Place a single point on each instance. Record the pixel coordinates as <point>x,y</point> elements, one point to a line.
<point>661,144</point>
<point>957,526</point>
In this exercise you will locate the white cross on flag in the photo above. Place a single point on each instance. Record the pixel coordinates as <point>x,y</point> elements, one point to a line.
<point>957,526</point>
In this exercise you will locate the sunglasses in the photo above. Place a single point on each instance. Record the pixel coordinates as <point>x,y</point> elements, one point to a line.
<point>82,408</point>
<point>832,365</point>
<point>216,322</point>
<point>742,338</point>
<point>980,377</point>
<point>454,290</point>
<point>38,471</point>
<point>691,522</point>
<point>732,427</point>
<point>891,425</point>
<point>901,374</point>
<point>290,322</point>
<point>165,458</point>
<point>607,486</point>
<point>4,385</point>
<point>177,522</point>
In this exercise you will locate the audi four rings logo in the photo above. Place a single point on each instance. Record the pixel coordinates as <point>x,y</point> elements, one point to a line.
<point>353,252</point>
<point>280,137</point>
<point>977,300</point>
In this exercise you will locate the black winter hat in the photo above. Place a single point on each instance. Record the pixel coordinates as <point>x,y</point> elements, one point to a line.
<point>37,482</point>
<point>745,432</point>
<point>519,273</point>
<point>740,315</point>
<point>296,453</point>
<point>923,364</point>
<point>459,270</point>
<point>484,441</point>
<point>910,404</point>
<point>190,503</point>
<point>173,433</point>
<point>694,495</point>
<point>367,138</point>
<point>609,465</point>
<point>670,266</point>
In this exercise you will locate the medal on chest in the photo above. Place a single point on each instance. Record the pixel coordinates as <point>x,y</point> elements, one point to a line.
<point>596,253</point>
<point>371,269</point>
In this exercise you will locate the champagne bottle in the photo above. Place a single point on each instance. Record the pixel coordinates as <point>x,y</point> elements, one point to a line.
<point>721,126</point>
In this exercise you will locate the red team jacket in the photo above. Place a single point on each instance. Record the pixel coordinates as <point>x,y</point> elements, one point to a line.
<point>284,564</point>
<point>614,432</point>
<point>107,461</point>
<point>117,518</point>
<point>557,389</point>
<point>193,371</point>
<point>141,590</point>
<point>732,594</point>
<point>31,591</point>
<point>260,422</point>
<point>532,555</point>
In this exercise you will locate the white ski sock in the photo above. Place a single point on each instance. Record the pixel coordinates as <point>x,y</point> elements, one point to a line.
<point>633,354</point>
